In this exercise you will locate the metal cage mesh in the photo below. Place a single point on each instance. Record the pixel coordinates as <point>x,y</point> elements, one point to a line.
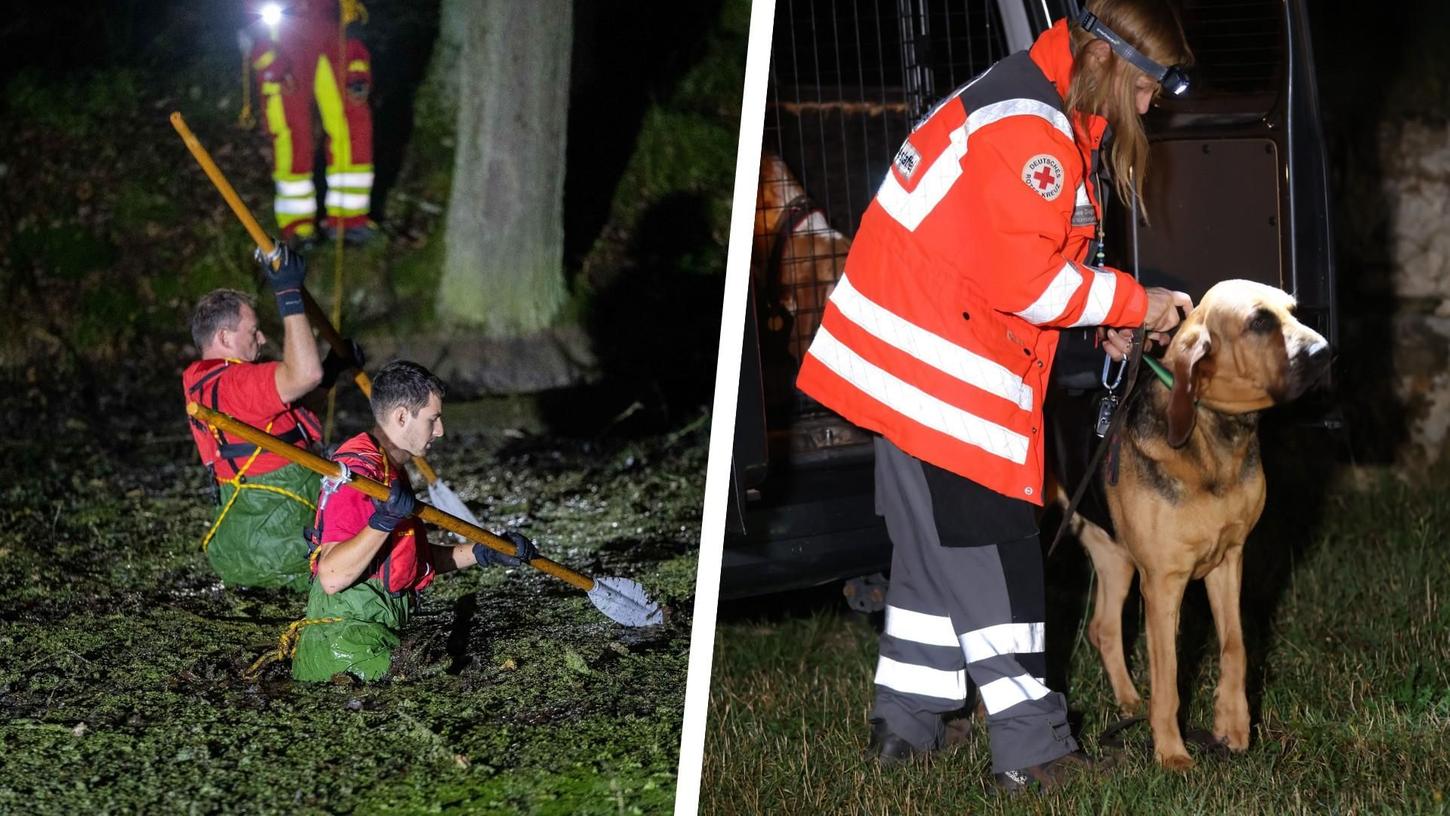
<point>847,81</point>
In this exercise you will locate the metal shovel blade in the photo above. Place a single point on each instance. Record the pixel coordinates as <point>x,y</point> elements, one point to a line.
<point>441,496</point>
<point>625,601</point>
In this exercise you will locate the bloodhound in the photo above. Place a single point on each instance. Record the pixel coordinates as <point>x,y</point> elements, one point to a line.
<point>798,256</point>
<point>1190,487</point>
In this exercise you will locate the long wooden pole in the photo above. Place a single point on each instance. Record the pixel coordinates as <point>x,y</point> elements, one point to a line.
<point>264,242</point>
<point>379,491</point>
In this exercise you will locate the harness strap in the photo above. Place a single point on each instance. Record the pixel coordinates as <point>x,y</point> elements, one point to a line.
<point>241,484</point>
<point>236,450</point>
<point>382,561</point>
<point>197,390</point>
<point>305,428</point>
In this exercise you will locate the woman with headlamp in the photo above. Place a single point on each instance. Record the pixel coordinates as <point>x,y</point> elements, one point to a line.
<point>982,243</point>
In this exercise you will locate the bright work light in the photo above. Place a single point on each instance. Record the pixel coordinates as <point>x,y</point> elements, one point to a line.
<point>272,14</point>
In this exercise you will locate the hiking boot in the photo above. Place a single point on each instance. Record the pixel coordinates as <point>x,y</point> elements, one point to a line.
<point>354,235</point>
<point>359,234</point>
<point>1047,776</point>
<point>888,749</point>
<point>302,240</point>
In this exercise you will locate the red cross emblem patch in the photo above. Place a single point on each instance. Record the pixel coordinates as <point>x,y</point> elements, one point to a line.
<point>1043,173</point>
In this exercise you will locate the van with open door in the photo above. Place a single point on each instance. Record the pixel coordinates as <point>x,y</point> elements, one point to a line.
<point>1239,190</point>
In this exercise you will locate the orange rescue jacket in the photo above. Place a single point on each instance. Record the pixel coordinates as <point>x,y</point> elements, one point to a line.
<point>941,333</point>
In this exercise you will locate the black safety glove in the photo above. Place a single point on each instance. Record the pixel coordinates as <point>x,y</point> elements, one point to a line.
<point>286,280</point>
<point>401,504</point>
<point>334,364</point>
<point>524,551</point>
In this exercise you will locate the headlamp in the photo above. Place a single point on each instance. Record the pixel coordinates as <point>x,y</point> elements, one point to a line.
<point>271,14</point>
<point>1172,78</point>
<point>1174,81</point>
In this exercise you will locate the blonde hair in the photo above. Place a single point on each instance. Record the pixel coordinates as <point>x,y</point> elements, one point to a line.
<point>1107,88</point>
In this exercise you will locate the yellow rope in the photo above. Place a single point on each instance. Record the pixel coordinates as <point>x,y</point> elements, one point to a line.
<point>286,644</point>
<point>349,11</point>
<point>236,481</point>
<point>336,322</point>
<point>245,118</point>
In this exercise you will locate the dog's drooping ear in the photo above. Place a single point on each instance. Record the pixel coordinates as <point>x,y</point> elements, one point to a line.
<point>1182,403</point>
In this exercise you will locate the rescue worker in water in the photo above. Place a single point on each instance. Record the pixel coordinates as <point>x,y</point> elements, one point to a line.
<point>264,502</point>
<point>371,558</point>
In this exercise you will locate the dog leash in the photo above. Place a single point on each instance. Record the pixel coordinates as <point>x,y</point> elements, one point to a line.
<point>1135,356</point>
<point>1110,435</point>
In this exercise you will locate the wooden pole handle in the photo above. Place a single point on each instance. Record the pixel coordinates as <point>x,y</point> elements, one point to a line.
<point>379,491</point>
<point>315,314</point>
<point>222,185</point>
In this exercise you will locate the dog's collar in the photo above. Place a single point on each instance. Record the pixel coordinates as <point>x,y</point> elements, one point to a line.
<point>1162,373</point>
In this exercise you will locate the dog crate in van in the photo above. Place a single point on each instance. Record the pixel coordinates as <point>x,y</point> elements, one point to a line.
<point>1238,189</point>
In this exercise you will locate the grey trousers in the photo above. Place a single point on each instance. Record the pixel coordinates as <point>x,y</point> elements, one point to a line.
<point>966,600</point>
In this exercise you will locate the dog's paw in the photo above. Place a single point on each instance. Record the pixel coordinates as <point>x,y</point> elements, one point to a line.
<point>1131,707</point>
<point>1178,761</point>
<point>1234,739</point>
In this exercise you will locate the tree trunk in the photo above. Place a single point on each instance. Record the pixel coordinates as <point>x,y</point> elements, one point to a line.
<point>504,233</point>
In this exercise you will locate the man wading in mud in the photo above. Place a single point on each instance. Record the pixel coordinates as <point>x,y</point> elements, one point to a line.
<point>372,557</point>
<point>265,502</point>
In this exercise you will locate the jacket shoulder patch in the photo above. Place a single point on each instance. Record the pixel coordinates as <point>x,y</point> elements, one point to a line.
<point>907,160</point>
<point>1044,174</point>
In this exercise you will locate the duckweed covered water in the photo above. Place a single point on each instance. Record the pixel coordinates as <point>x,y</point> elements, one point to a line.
<point>121,658</point>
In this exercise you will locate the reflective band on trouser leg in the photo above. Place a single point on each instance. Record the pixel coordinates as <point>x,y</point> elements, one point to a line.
<point>990,593</point>
<point>358,180</point>
<point>349,194</point>
<point>349,132</point>
<point>296,202</point>
<point>341,204</point>
<point>360,644</point>
<point>999,617</point>
<point>289,121</point>
<point>295,215</point>
<point>920,674</point>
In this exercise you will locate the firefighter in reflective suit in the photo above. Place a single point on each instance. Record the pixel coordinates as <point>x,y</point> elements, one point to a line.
<point>302,59</point>
<point>940,337</point>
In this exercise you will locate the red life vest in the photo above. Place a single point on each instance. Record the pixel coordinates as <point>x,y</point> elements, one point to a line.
<point>257,405</point>
<point>399,564</point>
<point>942,331</point>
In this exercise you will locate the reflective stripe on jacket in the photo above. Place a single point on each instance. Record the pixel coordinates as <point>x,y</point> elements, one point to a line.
<point>941,334</point>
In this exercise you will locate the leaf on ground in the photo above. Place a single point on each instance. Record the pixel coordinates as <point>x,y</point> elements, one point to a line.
<point>574,662</point>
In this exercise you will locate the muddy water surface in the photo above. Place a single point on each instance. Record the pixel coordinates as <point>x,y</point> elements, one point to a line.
<point>121,657</point>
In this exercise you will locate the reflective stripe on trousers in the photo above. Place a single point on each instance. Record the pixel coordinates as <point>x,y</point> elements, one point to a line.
<point>962,612</point>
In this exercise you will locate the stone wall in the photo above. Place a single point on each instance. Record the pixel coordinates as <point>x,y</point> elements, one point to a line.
<point>1414,189</point>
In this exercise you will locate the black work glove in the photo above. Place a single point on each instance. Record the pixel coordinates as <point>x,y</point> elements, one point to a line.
<point>286,280</point>
<point>524,551</point>
<point>401,504</point>
<point>334,364</point>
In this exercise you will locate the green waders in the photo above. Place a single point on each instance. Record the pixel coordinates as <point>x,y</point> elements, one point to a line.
<point>257,539</point>
<point>361,643</point>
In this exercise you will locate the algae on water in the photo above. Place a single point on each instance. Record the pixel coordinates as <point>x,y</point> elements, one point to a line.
<point>121,685</point>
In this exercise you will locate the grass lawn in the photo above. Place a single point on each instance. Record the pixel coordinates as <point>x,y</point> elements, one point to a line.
<point>1347,618</point>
